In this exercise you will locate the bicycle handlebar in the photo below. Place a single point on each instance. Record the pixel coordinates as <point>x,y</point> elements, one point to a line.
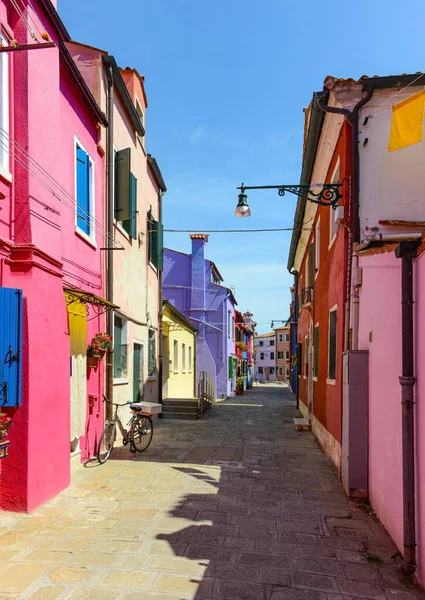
<point>105,399</point>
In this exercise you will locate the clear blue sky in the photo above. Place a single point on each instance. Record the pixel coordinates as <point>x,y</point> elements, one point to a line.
<point>226,82</point>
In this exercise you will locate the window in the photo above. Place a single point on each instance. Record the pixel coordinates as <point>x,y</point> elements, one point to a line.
<point>287,372</point>
<point>155,242</point>
<point>176,356</point>
<point>333,224</point>
<point>280,356</point>
<point>316,351</point>
<point>190,360</point>
<point>84,186</point>
<point>261,343</point>
<point>306,273</point>
<point>286,337</point>
<point>317,254</point>
<point>286,354</point>
<point>280,371</point>
<point>306,357</point>
<point>233,328</point>
<point>280,337</point>
<point>271,342</point>
<point>271,370</point>
<point>271,355</point>
<point>183,358</point>
<point>261,355</point>
<point>152,353</point>
<point>332,345</point>
<point>120,348</point>
<point>4,106</point>
<point>260,370</point>
<point>142,119</point>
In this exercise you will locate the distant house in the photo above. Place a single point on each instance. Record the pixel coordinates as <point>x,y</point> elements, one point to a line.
<point>283,353</point>
<point>179,353</point>
<point>265,360</point>
<point>192,284</point>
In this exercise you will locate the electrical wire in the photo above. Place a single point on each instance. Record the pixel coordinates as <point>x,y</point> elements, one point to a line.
<point>234,230</point>
<point>380,110</point>
<point>24,20</point>
<point>30,6</point>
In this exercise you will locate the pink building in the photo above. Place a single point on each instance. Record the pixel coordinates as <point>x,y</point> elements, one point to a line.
<point>51,235</point>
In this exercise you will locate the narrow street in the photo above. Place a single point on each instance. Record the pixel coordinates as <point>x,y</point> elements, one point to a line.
<point>237,505</point>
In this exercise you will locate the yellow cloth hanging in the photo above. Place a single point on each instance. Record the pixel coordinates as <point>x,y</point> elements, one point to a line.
<point>407,122</point>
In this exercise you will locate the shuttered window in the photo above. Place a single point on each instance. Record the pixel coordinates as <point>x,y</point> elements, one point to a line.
<point>85,207</point>
<point>155,242</point>
<point>311,264</point>
<point>122,185</point>
<point>332,345</point>
<point>120,348</point>
<point>10,347</point>
<point>230,374</point>
<point>152,353</point>
<point>130,225</point>
<point>316,351</point>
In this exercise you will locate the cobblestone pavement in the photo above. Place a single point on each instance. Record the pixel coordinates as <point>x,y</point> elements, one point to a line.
<point>236,506</point>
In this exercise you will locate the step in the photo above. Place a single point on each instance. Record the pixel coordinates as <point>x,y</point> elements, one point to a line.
<point>302,424</point>
<point>180,409</point>
<point>177,415</point>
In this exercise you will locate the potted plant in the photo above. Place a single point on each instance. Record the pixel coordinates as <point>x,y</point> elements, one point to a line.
<point>240,381</point>
<point>5,422</point>
<point>97,348</point>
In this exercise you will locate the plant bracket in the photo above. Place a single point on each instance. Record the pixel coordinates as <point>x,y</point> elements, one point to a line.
<point>328,194</point>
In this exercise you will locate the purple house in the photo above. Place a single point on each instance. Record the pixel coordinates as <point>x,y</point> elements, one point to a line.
<point>193,285</point>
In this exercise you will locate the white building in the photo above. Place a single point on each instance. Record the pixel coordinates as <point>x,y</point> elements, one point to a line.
<point>265,359</point>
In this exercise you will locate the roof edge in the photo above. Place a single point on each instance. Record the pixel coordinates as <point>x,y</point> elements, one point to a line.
<point>179,314</point>
<point>157,172</point>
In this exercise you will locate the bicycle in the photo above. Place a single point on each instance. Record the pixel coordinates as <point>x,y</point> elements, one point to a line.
<point>139,435</point>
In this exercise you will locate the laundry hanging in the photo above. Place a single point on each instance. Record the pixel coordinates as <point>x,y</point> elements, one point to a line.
<point>407,122</point>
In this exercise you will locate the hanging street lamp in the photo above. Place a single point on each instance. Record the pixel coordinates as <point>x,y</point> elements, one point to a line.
<point>328,195</point>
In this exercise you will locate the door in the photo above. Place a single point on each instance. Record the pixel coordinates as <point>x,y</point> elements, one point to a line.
<point>138,364</point>
<point>10,347</point>
<point>77,324</point>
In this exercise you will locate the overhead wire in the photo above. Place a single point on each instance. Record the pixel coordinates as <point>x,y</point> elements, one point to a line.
<point>24,20</point>
<point>380,109</point>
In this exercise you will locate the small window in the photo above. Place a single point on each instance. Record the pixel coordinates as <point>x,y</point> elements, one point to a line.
<point>286,337</point>
<point>280,371</point>
<point>4,106</point>
<point>183,358</point>
<point>261,343</point>
<point>176,356</point>
<point>271,370</point>
<point>152,353</point>
<point>120,348</point>
<point>84,183</point>
<point>190,360</point>
<point>261,355</point>
<point>280,337</point>
<point>260,370</point>
<point>271,342</point>
<point>155,242</point>
<point>280,355</point>
<point>286,354</point>
<point>332,345</point>
<point>287,372</point>
<point>316,351</point>
<point>271,355</point>
<point>306,357</point>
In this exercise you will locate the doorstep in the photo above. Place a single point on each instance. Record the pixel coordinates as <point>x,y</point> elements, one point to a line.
<point>302,424</point>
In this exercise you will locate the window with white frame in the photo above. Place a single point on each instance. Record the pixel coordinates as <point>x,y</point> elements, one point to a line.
<point>280,337</point>
<point>280,370</point>
<point>183,358</point>
<point>333,225</point>
<point>261,355</point>
<point>4,106</point>
<point>120,347</point>
<point>271,355</point>
<point>332,344</point>
<point>190,360</point>
<point>286,337</point>
<point>317,248</point>
<point>152,353</point>
<point>279,355</point>
<point>287,372</point>
<point>176,356</point>
<point>286,354</point>
<point>84,191</point>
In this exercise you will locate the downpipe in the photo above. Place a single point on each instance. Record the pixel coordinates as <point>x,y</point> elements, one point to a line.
<point>110,253</point>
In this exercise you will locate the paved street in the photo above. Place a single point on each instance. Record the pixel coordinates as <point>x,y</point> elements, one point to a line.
<point>235,506</point>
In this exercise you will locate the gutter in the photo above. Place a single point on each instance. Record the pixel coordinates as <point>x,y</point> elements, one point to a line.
<point>314,130</point>
<point>109,384</point>
<point>122,90</point>
<point>157,172</point>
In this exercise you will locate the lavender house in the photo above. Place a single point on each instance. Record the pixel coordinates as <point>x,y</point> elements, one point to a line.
<point>192,284</point>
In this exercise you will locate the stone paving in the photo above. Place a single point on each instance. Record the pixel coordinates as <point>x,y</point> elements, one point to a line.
<point>236,506</point>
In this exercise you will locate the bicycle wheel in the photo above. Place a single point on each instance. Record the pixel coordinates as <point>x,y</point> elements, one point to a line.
<point>106,443</point>
<point>141,433</point>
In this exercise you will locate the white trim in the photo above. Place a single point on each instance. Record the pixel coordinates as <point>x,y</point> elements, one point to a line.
<point>333,309</point>
<point>4,104</point>
<point>175,361</point>
<point>92,237</point>
<point>317,249</point>
<point>121,380</point>
<point>190,357</point>
<point>184,357</point>
<point>4,173</point>
<point>331,381</point>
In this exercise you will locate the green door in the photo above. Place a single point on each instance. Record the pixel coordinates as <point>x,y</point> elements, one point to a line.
<point>137,372</point>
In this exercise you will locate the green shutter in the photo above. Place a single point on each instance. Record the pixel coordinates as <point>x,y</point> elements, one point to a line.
<point>332,345</point>
<point>159,246</point>
<point>156,242</point>
<point>122,185</point>
<point>117,346</point>
<point>230,367</point>
<point>311,264</point>
<point>316,351</point>
<point>130,225</point>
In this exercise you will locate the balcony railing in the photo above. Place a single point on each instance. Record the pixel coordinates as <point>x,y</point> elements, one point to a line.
<point>306,295</point>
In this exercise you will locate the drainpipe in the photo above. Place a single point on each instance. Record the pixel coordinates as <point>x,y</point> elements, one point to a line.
<point>110,229</point>
<point>295,332</point>
<point>160,348</point>
<point>406,251</point>
<point>354,204</point>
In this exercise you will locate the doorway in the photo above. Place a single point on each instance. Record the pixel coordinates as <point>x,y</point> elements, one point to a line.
<point>138,370</point>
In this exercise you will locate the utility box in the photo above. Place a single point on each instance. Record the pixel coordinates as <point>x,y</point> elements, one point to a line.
<point>355,423</point>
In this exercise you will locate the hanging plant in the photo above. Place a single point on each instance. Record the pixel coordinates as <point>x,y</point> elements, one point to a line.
<point>5,422</point>
<point>242,346</point>
<point>99,345</point>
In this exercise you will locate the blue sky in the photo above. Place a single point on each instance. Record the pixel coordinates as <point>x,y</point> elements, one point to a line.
<point>226,82</point>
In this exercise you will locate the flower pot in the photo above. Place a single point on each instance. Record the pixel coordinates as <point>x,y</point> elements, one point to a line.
<point>100,353</point>
<point>4,448</point>
<point>239,392</point>
<point>92,361</point>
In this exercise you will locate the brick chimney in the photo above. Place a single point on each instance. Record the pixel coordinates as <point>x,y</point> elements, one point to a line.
<point>198,277</point>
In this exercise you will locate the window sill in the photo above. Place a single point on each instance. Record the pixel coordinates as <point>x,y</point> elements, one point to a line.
<point>151,378</point>
<point>176,372</point>
<point>331,381</point>
<point>120,381</point>
<point>5,175</point>
<point>121,230</point>
<point>315,379</point>
<point>86,238</point>
<point>152,266</point>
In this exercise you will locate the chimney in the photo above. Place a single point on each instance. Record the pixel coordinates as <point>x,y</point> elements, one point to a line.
<point>198,281</point>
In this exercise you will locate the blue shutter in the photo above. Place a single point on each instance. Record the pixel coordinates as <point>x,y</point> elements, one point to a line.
<point>83,191</point>
<point>10,347</point>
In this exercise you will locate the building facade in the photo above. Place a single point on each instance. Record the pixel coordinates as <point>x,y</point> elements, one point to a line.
<point>283,354</point>
<point>265,357</point>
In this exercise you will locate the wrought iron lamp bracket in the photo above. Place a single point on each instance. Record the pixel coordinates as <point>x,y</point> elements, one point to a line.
<point>328,194</point>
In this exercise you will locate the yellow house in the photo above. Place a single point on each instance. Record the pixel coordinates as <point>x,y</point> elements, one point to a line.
<point>179,351</point>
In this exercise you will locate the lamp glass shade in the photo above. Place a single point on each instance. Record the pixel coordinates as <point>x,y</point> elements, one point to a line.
<point>242,209</point>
